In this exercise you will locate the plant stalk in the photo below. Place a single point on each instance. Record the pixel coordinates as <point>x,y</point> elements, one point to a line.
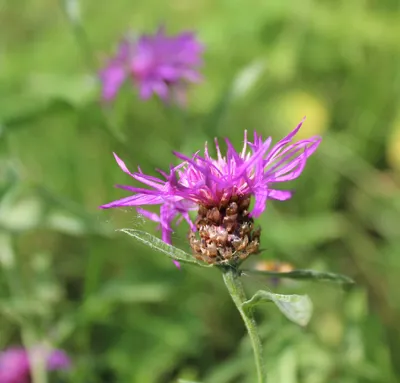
<point>235,289</point>
<point>72,13</point>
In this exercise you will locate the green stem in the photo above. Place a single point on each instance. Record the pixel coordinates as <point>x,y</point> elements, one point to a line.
<point>82,40</point>
<point>37,361</point>
<point>12,271</point>
<point>235,288</point>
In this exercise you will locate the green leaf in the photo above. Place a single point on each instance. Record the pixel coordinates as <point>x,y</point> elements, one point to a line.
<point>319,276</point>
<point>186,381</point>
<point>161,246</point>
<point>297,308</point>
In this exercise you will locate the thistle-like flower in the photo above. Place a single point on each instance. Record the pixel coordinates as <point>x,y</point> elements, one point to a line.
<point>159,64</point>
<point>221,190</point>
<point>15,363</point>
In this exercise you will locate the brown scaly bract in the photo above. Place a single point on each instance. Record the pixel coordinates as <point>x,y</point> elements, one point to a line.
<point>225,234</point>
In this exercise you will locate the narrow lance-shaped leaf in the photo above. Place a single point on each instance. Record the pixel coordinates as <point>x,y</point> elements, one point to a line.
<point>297,308</point>
<point>319,276</point>
<point>161,246</point>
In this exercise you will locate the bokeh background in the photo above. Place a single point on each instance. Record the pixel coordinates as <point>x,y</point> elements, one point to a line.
<point>125,313</point>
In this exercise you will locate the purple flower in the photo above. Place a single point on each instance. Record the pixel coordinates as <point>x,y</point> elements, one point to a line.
<point>220,189</point>
<point>15,363</point>
<point>157,64</point>
<point>14,366</point>
<point>58,360</point>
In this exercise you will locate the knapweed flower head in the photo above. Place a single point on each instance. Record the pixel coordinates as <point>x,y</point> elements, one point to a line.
<point>15,363</point>
<point>221,190</point>
<point>157,64</point>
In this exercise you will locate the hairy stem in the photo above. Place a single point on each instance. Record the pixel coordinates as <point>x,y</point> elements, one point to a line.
<point>235,288</point>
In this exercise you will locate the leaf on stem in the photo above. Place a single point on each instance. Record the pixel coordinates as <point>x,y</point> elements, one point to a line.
<point>159,245</point>
<point>319,276</point>
<point>297,308</point>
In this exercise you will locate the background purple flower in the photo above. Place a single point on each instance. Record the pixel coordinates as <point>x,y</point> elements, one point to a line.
<point>205,181</point>
<point>15,364</point>
<point>157,64</point>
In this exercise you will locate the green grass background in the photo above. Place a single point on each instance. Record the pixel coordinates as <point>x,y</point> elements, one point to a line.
<point>125,313</point>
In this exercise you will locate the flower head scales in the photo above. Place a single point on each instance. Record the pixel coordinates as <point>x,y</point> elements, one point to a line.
<point>157,64</point>
<point>201,181</point>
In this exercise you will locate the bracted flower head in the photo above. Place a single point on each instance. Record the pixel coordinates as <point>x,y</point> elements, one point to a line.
<point>221,189</point>
<point>15,363</point>
<point>158,64</point>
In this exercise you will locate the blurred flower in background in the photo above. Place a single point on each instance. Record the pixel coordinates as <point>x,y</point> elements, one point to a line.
<point>291,106</point>
<point>157,64</point>
<point>15,364</point>
<point>275,266</point>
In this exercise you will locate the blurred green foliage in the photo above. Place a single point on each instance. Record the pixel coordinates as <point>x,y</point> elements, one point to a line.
<point>125,313</point>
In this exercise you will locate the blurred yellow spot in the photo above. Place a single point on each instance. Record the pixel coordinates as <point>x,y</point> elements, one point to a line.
<point>293,106</point>
<point>278,266</point>
<point>393,147</point>
<point>329,329</point>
